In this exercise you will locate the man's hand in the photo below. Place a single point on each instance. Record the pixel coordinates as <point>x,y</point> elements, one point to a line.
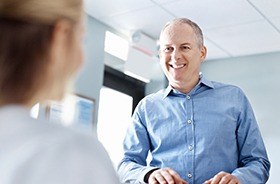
<point>165,176</point>
<point>223,178</point>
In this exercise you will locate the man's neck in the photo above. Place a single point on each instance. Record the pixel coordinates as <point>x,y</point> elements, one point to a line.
<point>186,87</point>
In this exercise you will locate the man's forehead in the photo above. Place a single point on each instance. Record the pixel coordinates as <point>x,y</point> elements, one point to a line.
<point>175,28</point>
<point>176,32</point>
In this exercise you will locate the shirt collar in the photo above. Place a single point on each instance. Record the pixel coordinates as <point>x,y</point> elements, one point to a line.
<point>205,82</point>
<point>202,81</point>
<point>167,91</point>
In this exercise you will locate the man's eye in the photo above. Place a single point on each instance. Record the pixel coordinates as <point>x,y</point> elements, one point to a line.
<point>185,47</point>
<point>168,49</point>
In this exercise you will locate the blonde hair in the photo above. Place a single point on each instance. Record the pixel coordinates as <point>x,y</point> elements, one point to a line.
<point>25,36</point>
<point>41,11</point>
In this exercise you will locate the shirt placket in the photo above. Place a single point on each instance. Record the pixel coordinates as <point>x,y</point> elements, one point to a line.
<point>190,140</point>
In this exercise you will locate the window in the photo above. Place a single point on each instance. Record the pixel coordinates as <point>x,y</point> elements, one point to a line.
<point>116,46</point>
<point>118,98</point>
<point>115,109</point>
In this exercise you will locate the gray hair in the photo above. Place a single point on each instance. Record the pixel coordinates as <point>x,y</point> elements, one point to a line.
<point>196,28</point>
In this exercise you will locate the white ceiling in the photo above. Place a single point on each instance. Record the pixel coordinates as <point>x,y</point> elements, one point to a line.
<point>231,27</point>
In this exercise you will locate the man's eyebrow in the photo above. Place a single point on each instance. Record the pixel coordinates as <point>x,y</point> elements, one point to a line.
<point>167,45</point>
<point>185,44</point>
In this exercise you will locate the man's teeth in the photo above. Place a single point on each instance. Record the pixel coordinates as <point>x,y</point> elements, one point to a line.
<point>178,66</point>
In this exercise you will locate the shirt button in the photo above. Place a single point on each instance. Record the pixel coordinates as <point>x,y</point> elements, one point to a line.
<point>189,175</point>
<point>188,97</point>
<point>190,147</point>
<point>189,121</point>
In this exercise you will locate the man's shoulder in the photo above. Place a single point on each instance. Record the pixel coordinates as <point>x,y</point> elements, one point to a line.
<point>221,85</point>
<point>159,95</point>
<point>227,89</point>
<point>150,100</point>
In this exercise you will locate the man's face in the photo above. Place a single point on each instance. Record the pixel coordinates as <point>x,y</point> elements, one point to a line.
<point>180,55</point>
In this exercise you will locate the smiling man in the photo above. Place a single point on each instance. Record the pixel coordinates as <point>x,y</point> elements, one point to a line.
<point>197,131</point>
<point>181,53</point>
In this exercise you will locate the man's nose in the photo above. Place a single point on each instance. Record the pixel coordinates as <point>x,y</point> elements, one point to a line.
<point>176,55</point>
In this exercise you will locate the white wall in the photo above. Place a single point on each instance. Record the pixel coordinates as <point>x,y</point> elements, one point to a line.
<point>259,77</point>
<point>90,78</point>
<point>158,80</point>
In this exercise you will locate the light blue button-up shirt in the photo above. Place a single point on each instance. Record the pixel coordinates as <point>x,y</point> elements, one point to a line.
<point>199,134</point>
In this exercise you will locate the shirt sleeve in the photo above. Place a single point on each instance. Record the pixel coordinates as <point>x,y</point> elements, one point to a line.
<point>133,167</point>
<point>253,163</point>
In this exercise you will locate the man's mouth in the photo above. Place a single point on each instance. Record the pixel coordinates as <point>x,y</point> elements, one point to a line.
<point>177,66</point>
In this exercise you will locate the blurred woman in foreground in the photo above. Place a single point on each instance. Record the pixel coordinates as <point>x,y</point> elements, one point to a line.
<point>40,50</point>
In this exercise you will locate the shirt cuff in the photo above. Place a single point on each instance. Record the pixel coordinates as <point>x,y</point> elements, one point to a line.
<point>237,174</point>
<point>144,172</point>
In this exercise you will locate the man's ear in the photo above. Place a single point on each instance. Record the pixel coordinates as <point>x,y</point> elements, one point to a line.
<point>203,53</point>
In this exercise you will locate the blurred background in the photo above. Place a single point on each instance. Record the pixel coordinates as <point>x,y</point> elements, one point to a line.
<point>122,65</point>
